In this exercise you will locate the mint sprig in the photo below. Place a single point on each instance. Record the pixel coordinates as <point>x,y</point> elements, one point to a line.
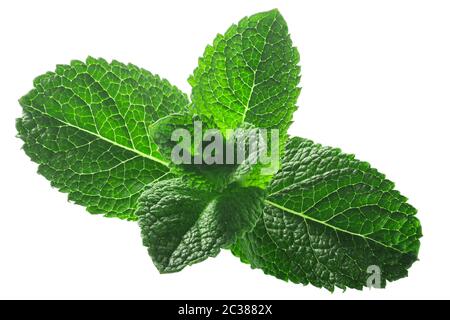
<point>100,132</point>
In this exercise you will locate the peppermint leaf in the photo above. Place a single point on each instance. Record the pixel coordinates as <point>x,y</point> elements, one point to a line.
<point>249,75</point>
<point>86,125</point>
<point>331,220</point>
<point>186,221</point>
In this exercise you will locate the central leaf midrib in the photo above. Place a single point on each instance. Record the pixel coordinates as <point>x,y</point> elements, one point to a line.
<point>247,106</point>
<point>140,153</point>
<point>301,214</point>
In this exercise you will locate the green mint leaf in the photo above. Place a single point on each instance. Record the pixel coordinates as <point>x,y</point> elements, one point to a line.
<point>331,220</point>
<point>86,125</point>
<point>184,222</point>
<point>249,75</point>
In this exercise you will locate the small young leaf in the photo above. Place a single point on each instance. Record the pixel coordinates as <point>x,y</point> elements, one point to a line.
<point>183,223</point>
<point>329,220</point>
<point>236,158</point>
<point>86,125</point>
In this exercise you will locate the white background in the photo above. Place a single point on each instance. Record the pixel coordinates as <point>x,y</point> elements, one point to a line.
<point>376,79</point>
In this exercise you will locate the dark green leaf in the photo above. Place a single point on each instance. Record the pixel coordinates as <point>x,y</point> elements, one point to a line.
<point>184,222</point>
<point>328,219</point>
